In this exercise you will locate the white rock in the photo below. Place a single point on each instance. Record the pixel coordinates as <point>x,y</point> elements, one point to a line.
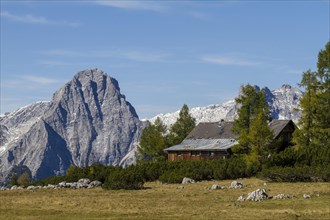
<point>84,181</point>
<point>241,198</point>
<point>282,196</point>
<point>187,180</point>
<point>14,187</point>
<point>31,187</point>
<point>257,195</point>
<point>62,184</point>
<point>216,186</point>
<point>95,183</point>
<point>306,196</point>
<point>236,185</point>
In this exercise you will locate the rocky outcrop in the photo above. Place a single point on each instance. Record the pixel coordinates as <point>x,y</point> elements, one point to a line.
<point>236,185</point>
<point>257,196</point>
<point>187,180</point>
<point>283,103</point>
<point>88,121</point>
<point>80,184</point>
<point>215,186</point>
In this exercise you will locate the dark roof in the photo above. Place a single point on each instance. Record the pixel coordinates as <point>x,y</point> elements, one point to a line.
<point>278,125</point>
<point>218,136</point>
<point>203,145</point>
<point>212,130</point>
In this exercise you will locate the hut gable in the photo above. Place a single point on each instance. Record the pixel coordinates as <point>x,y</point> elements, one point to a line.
<point>213,130</point>
<point>278,126</point>
<point>283,132</point>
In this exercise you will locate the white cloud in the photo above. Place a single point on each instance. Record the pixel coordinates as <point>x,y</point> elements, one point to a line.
<point>39,80</point>
<point>30,82</point>
<point>59,52</point>
<point>32,19</point>
<point>133,55</point>
<point>57,63</point>
<point>143,56</point>
<point>199,15</point>
<point>134,5</point>
<point>228,60</point>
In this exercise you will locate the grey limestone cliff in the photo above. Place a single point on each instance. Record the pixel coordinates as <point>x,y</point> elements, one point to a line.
<point>88,121</point>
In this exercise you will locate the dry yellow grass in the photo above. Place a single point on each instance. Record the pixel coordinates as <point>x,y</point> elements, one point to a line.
<point>160,201</point>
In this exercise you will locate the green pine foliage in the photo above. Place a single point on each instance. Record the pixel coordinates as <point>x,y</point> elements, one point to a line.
<point>182,127</point>
<point>312,138</point>
<point>13,179</point>
<point>130,179</point>
<point>154,138</point>
<point>252,122</point>
<point>153,142</point>
<point>24,179</point>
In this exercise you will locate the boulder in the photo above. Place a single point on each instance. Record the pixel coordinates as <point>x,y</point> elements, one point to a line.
<point>216,186</point>
<point>95,183</point>
<point>236,185</point>
<point>82,185</point>
<point>187,180</point>
<point>51,186</point>
<point>84,181</point>
<point>73,185</point>
<point>241,198</point>
<point>306,196</point>
<point>2,188</point>
<point>62,184</point>
<point>14,187</point>
<point>32,187</point>
<point>282,196</point>
<point>257,195</point>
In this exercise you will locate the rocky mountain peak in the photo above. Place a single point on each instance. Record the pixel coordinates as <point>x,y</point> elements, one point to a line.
<point>283,103</point>
<point>286,86</point>
<point>88,121</point>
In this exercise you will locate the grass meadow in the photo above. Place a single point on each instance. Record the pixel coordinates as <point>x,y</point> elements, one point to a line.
<point>165,201</point>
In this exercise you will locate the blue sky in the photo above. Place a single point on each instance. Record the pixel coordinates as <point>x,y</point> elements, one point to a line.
<point>163,53</point>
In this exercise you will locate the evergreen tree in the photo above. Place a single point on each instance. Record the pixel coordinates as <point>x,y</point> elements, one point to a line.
<point>252,122</point>
<point>303,136</point>
<point>322,116</point>
<point>152,142</point>
<point>182,127</point>
<point>24,179</point>
<point>312,138</point>
<point>13,179</point>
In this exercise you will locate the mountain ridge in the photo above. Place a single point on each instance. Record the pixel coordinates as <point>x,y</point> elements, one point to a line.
<point>282,101</point>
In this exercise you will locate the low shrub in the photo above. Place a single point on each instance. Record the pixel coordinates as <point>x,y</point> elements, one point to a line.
<point>296,174</point>
<point>121,178</point>
<point>171,177</point>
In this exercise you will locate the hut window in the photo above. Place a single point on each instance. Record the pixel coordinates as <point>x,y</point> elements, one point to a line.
<point>193,153</point>
<point>212,154</point>
<point>179,153</point>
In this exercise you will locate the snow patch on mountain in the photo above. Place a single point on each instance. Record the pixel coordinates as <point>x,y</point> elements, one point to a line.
<point>283,102</point>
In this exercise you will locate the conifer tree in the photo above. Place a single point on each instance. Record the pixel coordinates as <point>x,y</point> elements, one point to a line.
<point>182,127</point>
<point>252,122</point>
<point>152,142</point>
<point>312,138</point>
<point>24,179</point>
<point>13,179</point>
<point>260,136</point>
